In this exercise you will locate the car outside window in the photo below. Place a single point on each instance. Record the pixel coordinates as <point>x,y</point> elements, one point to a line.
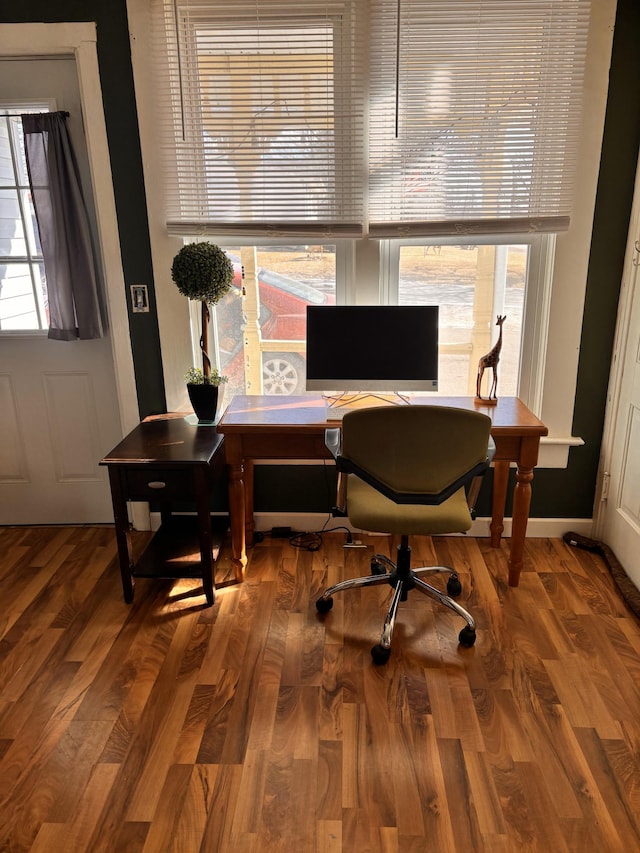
<point>288,279</point>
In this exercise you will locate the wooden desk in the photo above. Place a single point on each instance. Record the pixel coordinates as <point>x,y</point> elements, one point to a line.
<point>166,459</point>
<point>293,428</point>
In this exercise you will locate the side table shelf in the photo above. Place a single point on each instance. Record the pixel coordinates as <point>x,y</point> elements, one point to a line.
<point>167,459</point>
<point>174,551</point>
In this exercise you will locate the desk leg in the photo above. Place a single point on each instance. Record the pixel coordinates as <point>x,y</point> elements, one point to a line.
<point>521,503</point>
<point>123,534</point>
<point>236,519</point>
<point>203,492</point>
<point>500,482</point>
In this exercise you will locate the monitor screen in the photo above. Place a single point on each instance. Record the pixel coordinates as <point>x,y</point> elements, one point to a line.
<point>372,348</point>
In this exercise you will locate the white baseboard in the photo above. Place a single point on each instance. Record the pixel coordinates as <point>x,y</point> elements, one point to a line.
<point>540,528</point>
<point>308,522</point>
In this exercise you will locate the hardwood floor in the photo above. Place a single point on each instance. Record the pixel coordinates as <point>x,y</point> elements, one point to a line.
<point>256,726</point>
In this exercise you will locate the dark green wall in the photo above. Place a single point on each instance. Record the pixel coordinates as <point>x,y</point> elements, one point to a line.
<point>116,75</point>
<point>557,493</point>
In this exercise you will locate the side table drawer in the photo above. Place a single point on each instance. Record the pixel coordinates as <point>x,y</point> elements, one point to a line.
<point>158,483</point>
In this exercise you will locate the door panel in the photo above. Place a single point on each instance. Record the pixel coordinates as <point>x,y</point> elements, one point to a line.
<point>59,416</point>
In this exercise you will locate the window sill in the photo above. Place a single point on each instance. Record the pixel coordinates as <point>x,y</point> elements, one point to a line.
<point>554,450</point>
<point>24,333</point>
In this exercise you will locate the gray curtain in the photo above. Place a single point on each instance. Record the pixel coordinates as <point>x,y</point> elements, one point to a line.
<point>65,236</point>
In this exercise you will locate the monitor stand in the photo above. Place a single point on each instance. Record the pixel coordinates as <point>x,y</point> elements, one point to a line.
<point>348,401</point>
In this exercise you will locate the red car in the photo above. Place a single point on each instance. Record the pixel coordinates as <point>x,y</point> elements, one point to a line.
<point>283,305</point>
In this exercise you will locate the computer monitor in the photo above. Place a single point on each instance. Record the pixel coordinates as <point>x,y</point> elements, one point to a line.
<point>382,348</point>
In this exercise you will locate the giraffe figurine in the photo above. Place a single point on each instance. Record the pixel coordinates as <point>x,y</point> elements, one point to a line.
<point>491,360</point>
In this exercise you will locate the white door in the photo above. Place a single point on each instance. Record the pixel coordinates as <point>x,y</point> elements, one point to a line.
<point>59,409</point>
<point>618,518</point>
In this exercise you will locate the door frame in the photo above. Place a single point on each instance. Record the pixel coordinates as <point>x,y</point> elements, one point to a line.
<point>621,340</point>
<point>79,40</point>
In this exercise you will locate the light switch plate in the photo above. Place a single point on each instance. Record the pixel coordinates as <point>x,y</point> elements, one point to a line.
<point>139,298</point>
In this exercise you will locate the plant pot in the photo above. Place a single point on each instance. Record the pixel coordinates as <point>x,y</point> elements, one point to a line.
<point>204,399</point>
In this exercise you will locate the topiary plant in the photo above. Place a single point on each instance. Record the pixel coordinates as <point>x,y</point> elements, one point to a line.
<point>203,273</point>
<point>194,376</point>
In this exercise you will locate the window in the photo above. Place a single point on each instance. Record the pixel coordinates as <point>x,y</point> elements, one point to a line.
<point>260,325</point>
<point>472,284</point>
<point>368,250</point>
<point>473,115</point>
<point>472,127</point>
<point>23,288</point>
<point>265,120</point>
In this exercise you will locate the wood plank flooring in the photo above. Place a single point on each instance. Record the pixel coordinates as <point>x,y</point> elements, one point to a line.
<point>255,725</point>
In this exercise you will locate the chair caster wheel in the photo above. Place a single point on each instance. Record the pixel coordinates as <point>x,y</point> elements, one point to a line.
<point>324,605</point>
<point>377,568</point>
<point>380,655</point>
<point>467,636</point>
<point>454,587</point>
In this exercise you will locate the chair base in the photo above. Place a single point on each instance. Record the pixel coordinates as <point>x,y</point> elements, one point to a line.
<point>403,579</point>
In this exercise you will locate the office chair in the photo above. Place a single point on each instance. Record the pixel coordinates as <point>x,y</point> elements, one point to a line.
<point>405,470</point>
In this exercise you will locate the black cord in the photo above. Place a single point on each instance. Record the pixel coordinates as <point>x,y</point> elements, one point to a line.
<point>311,541</point>
<point>306,541</point>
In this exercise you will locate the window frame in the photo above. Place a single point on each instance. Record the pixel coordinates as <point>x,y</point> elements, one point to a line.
<point>552,380</point>
<point>380,286</point>
<point>535,314</point>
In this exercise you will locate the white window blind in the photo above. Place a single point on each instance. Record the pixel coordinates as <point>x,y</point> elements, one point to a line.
<point>266,117</point>
<point>387,117</point>
<point>475,114</point>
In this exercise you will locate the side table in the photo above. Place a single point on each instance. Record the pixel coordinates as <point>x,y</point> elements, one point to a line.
<point>167,459</point>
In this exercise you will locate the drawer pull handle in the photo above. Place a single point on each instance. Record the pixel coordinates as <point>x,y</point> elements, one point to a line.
<point>156,484</point>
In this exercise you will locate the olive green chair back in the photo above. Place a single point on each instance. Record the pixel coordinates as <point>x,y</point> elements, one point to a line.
<point>417,452</point>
